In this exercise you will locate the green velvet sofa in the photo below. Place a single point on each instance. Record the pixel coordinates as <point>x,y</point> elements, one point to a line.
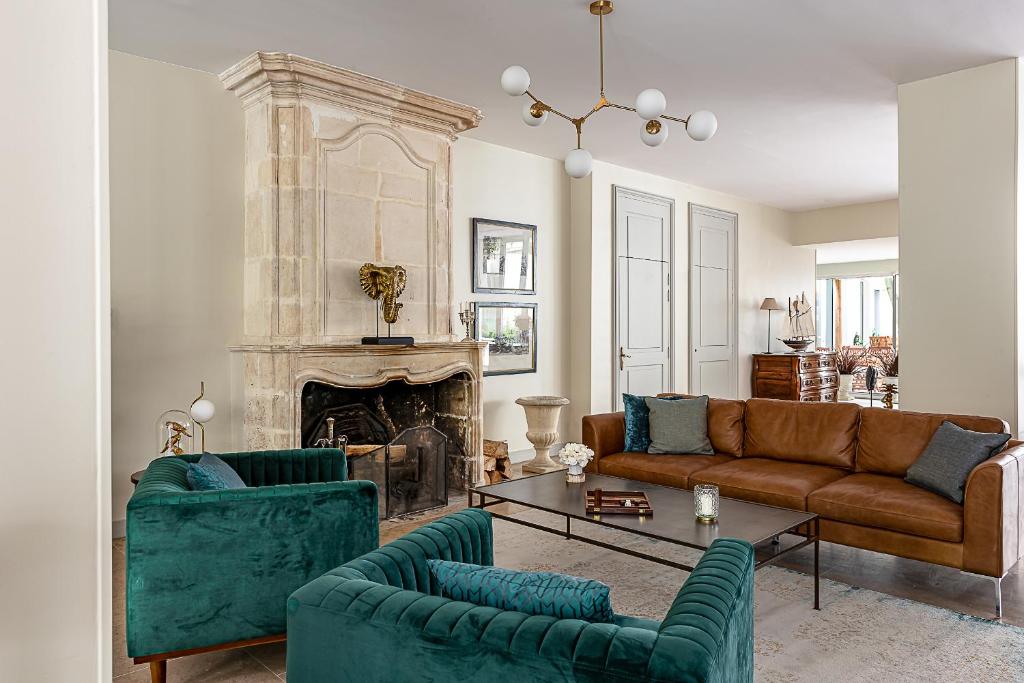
<point>213,569</point>
<point>381,618</point>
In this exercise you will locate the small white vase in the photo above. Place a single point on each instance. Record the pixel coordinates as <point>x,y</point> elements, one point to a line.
<point>845,388</point>
<point>575,474</point>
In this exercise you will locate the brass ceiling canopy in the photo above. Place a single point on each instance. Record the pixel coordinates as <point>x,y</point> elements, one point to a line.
<point>650,105</point>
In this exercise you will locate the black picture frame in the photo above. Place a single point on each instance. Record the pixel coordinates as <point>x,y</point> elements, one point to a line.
<point>528,268</point>
<point>502,353</point>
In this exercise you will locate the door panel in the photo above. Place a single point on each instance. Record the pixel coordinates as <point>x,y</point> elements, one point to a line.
<point>713,362</point>
<point>643,254</point>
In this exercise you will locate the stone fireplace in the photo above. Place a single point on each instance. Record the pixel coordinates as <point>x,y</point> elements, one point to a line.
<point>342,169</point>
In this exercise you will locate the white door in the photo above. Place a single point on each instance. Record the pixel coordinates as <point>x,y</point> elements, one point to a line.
<point>643,271</point>
<point>713,364</point>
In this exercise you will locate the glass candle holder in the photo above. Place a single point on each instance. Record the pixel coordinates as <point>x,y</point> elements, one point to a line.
<point>705,503</point>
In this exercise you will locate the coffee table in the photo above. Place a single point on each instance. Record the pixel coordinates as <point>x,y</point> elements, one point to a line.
<point>673,520</point>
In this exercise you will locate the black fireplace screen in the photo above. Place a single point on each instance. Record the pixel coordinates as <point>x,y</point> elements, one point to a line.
<point>411,472</point>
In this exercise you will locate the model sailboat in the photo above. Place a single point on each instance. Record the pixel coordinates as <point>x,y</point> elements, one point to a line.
<point>798,327</point>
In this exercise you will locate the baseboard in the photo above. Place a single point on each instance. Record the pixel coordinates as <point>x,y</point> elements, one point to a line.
<point>527,453</point>
<point>117,528</point>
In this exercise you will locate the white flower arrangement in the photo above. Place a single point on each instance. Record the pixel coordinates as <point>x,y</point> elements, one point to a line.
<point>575,454</point>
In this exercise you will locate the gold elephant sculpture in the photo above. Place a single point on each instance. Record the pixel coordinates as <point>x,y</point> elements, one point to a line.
<point>385,283</point>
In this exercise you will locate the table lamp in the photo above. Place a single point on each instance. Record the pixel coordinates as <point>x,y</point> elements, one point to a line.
<point>770,305</point>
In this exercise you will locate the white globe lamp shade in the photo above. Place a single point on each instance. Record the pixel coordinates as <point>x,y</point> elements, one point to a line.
<point>531,120</point>
<point>701,125</point>
<point>654,139</point>
<point>578,163</point>
<point>650,104</point>
<point>515,80</point>
<point>202,410</point>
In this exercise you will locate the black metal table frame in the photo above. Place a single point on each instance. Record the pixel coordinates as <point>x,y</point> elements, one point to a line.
<point>810,536</point>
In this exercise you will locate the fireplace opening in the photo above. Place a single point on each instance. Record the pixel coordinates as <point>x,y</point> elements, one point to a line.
<point>413,440</point>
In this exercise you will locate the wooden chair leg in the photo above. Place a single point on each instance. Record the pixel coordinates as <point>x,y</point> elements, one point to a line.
<point>158,671</point>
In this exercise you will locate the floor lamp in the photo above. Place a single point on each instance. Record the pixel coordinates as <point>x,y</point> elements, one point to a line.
<point>770,305</point>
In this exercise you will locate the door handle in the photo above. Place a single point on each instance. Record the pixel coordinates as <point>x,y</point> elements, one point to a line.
<point>622,358</point>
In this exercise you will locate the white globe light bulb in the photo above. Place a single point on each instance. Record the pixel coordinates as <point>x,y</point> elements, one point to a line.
<point>578,163</point>
<point>515,80</point>
<point>531,120</point>
<point>656,138</point>
<point>701,125</point>
<point>650,104</point>
<point>202,410</point>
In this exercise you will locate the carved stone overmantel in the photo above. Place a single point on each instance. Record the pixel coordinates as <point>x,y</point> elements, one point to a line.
<point>342,169</point>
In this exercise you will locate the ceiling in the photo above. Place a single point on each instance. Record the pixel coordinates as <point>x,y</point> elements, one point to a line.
<point>804,90</point>
<point>877,249</point>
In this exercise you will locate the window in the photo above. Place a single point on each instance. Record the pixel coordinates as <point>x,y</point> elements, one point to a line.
<point>857,311</point>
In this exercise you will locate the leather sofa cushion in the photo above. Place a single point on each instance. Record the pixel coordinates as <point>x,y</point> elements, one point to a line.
<point>883,502</point>
<point>814,433</point>
<point>771,482</point>
<point>725,424</point>
<point>668,470</point>
<point>891,440</point>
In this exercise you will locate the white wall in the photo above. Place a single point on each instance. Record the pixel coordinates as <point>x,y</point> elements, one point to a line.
<point>845,223</point>
<point>767,265</point>
<point>958,242</point>
<point>858,268</point>
<point>176,160</point>
<point>504,184</point>
<point>55,594</point>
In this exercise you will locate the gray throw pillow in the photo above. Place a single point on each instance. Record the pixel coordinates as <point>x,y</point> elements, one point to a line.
<point>679,425</point>
<point>950,456</point>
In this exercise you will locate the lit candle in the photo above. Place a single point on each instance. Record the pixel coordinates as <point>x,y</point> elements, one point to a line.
<point>705,503</point>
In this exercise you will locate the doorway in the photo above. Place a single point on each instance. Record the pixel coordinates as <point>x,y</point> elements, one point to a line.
<point>713,317</point>
<point>643,297</point>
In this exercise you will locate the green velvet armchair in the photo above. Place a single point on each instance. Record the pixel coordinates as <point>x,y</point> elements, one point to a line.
<point>381,618</point>
<point>209,570</point>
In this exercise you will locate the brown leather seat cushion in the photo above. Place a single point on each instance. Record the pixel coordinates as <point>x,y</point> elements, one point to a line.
<point>670,470</point>
<point>876,500</point>
<point>771,482</point>
<point>816,433</point>
<point>891,440</point>
<point>725,424</point>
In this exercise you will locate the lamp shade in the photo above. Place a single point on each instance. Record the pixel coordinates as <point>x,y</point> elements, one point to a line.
<point>771,304</point>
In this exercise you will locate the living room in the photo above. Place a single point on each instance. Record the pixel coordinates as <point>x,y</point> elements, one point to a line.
<point>740,374</point>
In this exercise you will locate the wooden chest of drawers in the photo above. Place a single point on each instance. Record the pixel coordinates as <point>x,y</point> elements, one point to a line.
<point>795,376</point>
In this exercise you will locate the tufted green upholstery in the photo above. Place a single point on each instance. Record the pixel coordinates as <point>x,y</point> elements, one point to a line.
<point>381,618</point>
<point>211,567</point>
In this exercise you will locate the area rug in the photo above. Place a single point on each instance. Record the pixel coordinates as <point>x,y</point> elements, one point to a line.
<point>859,635</point>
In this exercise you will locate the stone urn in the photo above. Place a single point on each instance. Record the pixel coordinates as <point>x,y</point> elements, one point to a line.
<point>542,430</point>
<point>845,388</point>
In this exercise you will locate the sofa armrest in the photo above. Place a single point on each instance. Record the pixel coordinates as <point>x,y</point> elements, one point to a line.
<point>465,536</point>
<point>211,567</point>
<point>710,626</point>
<point>994,513</point>
<point>604,434</point>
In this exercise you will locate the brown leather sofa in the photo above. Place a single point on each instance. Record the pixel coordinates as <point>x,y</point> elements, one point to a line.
<point>847,464</point>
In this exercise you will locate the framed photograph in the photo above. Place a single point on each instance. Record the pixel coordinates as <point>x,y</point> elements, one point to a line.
<point>510,330</point>
<point>504,257</point>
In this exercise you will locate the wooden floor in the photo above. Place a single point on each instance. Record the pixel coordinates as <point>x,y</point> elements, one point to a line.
<point>929,584</point>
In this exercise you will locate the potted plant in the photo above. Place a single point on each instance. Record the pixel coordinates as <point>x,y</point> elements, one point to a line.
<point>575,456</point>
<point>849,359</point>
<point>888,366</point>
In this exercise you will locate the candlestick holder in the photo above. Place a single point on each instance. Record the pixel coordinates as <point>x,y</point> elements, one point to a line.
<point>467,317</point>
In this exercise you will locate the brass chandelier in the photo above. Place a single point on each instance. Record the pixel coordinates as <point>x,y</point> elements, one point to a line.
<point>650,106</point>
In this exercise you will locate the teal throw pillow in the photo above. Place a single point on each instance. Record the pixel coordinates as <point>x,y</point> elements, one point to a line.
<point>541,593</point>
<point>638,430</point>
<point>212,474</point>
<point>679,426</point>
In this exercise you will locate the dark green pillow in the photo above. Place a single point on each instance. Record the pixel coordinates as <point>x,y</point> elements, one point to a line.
<point>679,426</point>
<point>947,461</point>
<point>638,431</point>
<point>541,593</point>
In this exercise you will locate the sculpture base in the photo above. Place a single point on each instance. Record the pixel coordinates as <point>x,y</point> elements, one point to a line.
<point>388,341</point>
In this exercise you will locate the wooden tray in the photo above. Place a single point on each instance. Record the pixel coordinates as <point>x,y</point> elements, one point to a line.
<point>600,502</point>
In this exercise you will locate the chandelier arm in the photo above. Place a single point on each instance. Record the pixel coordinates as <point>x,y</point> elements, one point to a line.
<point>600,22</point>
<point>663,116</point>
<point>673,118</point>
<point>548,107</point>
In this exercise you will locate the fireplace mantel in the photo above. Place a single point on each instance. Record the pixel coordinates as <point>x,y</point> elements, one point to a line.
<point>343,169</point>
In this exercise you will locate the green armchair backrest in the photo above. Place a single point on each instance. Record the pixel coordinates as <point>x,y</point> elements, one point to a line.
<point>381,618</point>
<point>206,568</point>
